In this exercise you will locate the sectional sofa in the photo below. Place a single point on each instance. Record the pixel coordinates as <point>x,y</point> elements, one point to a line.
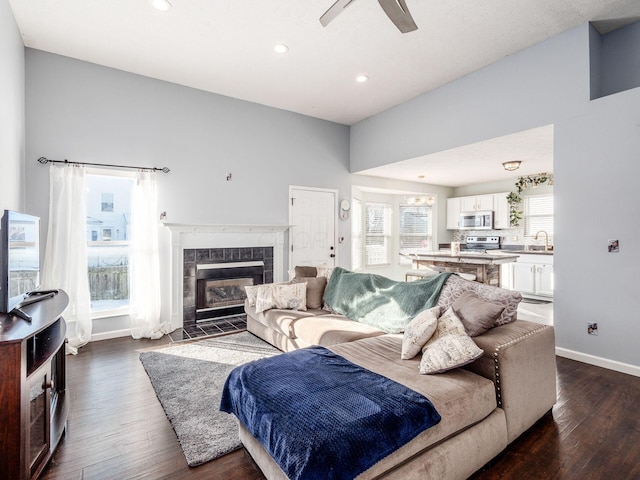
<point>485,405</point>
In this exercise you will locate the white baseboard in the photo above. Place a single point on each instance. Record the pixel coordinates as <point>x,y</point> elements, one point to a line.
<point>96,337</point>
<point>599,361</point>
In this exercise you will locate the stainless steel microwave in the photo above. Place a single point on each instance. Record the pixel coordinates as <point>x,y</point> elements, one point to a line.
<point>476,220</point>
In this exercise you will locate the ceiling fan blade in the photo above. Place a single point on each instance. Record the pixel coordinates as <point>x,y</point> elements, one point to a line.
<point>399,14</point>
<point>335,10</point>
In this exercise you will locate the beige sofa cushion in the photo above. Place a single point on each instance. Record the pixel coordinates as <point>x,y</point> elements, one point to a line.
<point>461,397</point>
<point>327,330</point>
<point>279,320</point>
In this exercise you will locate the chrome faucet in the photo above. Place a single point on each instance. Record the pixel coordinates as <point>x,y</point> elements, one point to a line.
<point>546,242</point>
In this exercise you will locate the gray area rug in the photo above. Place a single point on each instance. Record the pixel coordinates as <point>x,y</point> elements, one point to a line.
<point>188,380</point>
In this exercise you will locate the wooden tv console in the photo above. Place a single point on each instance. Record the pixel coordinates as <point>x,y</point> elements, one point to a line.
<point>33,400</point>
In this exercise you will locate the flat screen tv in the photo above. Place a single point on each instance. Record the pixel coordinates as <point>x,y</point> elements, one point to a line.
<point>20,257</point>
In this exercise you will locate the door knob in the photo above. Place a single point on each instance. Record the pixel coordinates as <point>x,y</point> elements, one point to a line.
<point>332,255</point>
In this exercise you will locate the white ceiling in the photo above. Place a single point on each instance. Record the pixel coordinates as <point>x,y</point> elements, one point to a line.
<point>226,46</point>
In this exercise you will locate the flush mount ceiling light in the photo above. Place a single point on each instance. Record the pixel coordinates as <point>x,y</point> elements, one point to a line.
<point>511,166</point>
<point>280,48</point>
<point>419,201</point>
<point>162,5</point>
<point>362,78</point>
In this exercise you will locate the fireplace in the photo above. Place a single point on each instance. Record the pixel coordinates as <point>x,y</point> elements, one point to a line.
<point>220,287</point>
<point>214,280</point>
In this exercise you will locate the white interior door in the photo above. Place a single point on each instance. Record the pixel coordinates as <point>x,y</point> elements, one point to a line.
<point>312,215</point>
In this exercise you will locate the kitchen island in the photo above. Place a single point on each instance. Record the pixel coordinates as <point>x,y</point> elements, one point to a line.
<point>485,266</point>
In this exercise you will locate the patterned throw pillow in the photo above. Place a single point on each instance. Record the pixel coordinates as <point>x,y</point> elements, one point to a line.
<point>290,296</point>
<point>418,331</point>
<point>324,271</point>
<point>264,298</point>
<point>449,347</point>
<point>252,294</point>
<point>455,286</point>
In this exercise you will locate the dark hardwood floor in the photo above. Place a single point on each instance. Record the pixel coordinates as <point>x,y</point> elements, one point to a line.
<point>118,430</point>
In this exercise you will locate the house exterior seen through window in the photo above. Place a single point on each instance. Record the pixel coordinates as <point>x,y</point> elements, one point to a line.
<point>108,224</point>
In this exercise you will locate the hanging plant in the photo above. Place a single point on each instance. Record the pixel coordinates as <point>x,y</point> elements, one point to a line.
<point>515,198</point>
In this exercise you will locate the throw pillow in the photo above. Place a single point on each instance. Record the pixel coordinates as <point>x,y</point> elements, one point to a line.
<point>449,347</point>
<point>476,314</point>
<point>315,290</point>
<point>418,331</point>
<point>306,271</point>
<point>252,294</point>
<point>290,296</point>
<point>264,298</point>
<point>324,271</point>
<point>509,299</point>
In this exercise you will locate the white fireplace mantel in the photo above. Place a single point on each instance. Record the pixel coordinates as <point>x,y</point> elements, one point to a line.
<point>186,236</point>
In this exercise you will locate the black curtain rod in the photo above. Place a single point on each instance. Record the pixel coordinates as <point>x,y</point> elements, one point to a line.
<point>45,160</point>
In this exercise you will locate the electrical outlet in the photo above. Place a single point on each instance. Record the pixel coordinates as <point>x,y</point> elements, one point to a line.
<point>592,328</point>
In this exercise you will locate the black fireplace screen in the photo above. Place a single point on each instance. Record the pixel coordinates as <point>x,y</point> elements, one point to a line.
<point>220,287</point>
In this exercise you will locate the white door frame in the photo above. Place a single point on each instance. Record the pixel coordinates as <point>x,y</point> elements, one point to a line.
<point>335,193</point>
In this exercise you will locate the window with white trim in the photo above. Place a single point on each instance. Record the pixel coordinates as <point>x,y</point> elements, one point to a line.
<point>415,231</point>
<point>538,214</point>
<point>377,233</point>
<point>108,216</point>
<point>356,234</point>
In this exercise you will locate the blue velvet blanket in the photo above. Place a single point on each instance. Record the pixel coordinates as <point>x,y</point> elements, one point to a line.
<point>322,417</point>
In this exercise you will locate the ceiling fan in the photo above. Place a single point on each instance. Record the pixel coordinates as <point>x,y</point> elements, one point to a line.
<point>396,10</point>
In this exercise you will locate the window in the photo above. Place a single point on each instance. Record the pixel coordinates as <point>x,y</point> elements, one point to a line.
<point>356,234</point>
<point>538,214</point>
<point>377,233</point>
<point>415,229</point>
<point>108,217</point>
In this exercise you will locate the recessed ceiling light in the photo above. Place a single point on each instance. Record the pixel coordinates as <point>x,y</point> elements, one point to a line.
<point>362,78</point>
<point>162,5</point>
<point>280,48</point>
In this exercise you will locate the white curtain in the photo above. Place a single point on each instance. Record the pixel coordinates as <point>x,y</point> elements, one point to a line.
<point>144,267</point>
<point>65,260</point>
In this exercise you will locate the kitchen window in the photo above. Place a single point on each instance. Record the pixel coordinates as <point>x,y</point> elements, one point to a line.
<point>377,233</point>
<point>538,214</point>
<point>415,232</point>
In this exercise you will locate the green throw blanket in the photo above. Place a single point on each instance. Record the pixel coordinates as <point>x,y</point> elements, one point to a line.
<point>379,301</point>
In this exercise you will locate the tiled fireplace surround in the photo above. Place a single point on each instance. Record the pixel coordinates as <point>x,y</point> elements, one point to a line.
<point>192,257</point>
<point>193,244</point>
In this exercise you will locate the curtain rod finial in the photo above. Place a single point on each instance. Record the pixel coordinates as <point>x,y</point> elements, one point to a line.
<point>43,160</point>
<point>166,170</point>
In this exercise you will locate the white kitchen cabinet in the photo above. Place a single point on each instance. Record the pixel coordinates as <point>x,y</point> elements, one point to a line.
<point>477,203</point>
<point>501,211</point>
<point>453,213</point>
<point>532,275</point>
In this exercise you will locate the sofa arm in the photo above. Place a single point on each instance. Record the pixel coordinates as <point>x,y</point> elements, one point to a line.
<point>520,359</point>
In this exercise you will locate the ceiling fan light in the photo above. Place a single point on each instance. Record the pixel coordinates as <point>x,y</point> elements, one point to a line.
<point>511,166</point>
<point>162,5</point>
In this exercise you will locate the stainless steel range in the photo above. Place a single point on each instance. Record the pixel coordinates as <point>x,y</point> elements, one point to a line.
<point>482,244</point>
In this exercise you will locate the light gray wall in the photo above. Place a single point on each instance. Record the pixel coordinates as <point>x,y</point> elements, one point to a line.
<point>596,173</point>
<point>620,61</point>
<point>12,129</point>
